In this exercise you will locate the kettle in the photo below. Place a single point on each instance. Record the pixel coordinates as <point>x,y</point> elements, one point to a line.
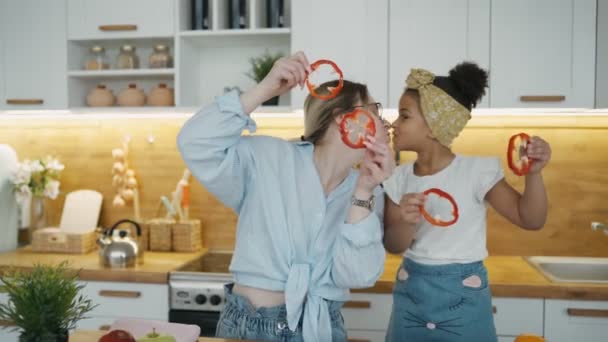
<point>120,251</point>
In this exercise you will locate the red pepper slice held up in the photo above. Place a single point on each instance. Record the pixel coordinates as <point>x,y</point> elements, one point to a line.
<point>437,221</point>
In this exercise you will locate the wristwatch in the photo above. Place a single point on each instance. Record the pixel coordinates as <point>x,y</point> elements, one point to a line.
<point>369,204</point>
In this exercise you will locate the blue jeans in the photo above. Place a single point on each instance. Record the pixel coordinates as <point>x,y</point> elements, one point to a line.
<point>442,303</point>
<point>241,320</point>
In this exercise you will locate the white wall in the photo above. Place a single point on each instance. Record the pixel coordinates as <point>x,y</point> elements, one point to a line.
<point>601,87</point>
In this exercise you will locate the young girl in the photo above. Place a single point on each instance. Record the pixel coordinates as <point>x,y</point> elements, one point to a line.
<point>309,225</point>
<point>441,292</point>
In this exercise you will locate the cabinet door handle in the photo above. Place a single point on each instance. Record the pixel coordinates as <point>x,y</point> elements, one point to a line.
<point>105,327</point>
<point>118,28</point>
<point>7,324</point>
<point>358,304</point>
<point>542,98</point>
<point>120,294</point>
<point>494,309</point>
<point>24,101</point>
<point>358,340</point>
<point>587,312</point>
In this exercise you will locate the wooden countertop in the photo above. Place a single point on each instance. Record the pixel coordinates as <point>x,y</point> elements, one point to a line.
<point>155,269</point>
<point>93,336</point>
<point>510,276</point>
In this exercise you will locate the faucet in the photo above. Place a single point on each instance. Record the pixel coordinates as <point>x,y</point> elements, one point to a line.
<point>595,226</point>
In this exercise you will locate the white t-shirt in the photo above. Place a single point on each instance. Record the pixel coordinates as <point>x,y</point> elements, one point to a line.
<point>467,180</point>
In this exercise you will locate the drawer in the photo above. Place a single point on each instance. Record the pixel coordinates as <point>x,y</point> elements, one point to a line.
<point>129,299</point>
<point>368,311</point>
<point>366,336</point>
<point>572,320</point>
<point>515,316</point>
<point>99,19</point>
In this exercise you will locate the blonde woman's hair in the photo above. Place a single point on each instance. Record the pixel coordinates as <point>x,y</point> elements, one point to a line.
<point>318,114</point>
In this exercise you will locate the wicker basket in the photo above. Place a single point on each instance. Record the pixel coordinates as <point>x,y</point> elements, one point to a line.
<point>160,234</point>
<point>54,240</point>
<point>187,236</point>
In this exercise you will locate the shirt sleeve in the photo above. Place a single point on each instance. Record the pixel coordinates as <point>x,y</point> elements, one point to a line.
<point>359,255</point>
<point>489,172</point>
<point>213,148</point>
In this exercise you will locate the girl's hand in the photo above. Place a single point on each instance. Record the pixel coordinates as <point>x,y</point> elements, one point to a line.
<point>377,165</point>
<point>540,151</point>
<point>285,74</point>
<point>410,207</point>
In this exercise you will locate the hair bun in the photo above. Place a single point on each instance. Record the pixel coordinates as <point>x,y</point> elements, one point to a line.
<point>470,81</point>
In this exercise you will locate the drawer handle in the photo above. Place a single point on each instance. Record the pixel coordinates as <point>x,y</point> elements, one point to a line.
<point>542,98</point>
<point>7,324</point>
<point>587,313</point>
<point>118,28</point>
<point>24,101</point>
<point>120,294</point>
<point>105,327</point>
<point>356,304</point>
<point>358,340</point>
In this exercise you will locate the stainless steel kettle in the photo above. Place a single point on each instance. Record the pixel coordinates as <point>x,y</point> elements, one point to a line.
<point>120,251</point>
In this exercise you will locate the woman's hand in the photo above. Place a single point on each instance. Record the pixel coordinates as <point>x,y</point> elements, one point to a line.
<point>286,73</point>
<point>540,152</point>
<point>377,165</point>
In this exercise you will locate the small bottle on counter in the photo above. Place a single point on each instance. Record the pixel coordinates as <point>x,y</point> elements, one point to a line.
<point>127,59</point>
<point>97,59</point>
<point>160,57</point>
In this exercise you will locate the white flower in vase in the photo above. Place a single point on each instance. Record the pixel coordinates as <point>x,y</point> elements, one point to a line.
<point>51,190</point>
<point>23,194</point>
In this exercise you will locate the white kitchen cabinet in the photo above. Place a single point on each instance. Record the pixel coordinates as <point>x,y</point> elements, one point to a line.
<point>435,35</point>
<point>366,316</point>
<point>5,334</point>
<point>515,316</point>
<point>33,48</point>
<point>106,19</point>
<point>352,33</point>
<point>570,320</point>
<point>543,53</point>
<point>134,300</point>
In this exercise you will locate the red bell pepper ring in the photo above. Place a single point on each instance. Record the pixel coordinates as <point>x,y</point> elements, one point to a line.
<point>435,220</point>
<point>355,126</point>
<point>517,154</point>
<point>333,91</point>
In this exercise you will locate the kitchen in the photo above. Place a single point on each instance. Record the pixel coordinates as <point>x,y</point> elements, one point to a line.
<point>548,70</point>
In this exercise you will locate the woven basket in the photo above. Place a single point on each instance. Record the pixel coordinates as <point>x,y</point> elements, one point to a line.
<point>187,236</point>
<point>54,240</point>
<point>160,234</point>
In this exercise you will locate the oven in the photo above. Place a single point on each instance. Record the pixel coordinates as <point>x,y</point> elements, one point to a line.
<point>197,291</point>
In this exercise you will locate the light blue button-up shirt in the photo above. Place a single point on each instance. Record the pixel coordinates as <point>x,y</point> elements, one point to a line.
<point>291,237</point>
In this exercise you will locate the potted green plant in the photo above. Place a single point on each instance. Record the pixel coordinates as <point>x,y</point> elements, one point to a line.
<point>44,303</point>
<point>260,67</point>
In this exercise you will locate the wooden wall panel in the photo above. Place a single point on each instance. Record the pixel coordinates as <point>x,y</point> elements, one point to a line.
<point>577,178</point>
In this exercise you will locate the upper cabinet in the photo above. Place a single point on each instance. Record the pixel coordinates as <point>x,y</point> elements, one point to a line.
<point>94,19</point>
<point>33,54</point>
<point>352,33</point>
<point>543,53</point>
<point>435,35</point>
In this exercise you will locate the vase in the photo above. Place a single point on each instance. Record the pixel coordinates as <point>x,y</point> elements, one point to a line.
<point>37,215</point>
<point>61,336</point>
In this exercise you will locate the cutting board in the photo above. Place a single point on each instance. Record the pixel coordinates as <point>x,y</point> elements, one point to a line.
<point>81,211</point>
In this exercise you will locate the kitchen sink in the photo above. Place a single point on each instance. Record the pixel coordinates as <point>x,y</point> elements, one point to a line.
<point>572,269</point>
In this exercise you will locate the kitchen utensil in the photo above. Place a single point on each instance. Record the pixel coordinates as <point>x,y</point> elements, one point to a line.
<point>120,251</point>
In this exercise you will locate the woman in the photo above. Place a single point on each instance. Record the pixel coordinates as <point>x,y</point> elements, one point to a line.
<point>309,224</point>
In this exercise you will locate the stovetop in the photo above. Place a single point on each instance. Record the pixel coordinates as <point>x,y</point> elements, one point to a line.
<point>212,262</point>
<point>199,285</point>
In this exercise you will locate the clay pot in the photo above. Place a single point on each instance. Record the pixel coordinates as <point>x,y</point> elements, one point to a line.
<point>131,97</point>
<point>100,96</point>
<point>161,96</point>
